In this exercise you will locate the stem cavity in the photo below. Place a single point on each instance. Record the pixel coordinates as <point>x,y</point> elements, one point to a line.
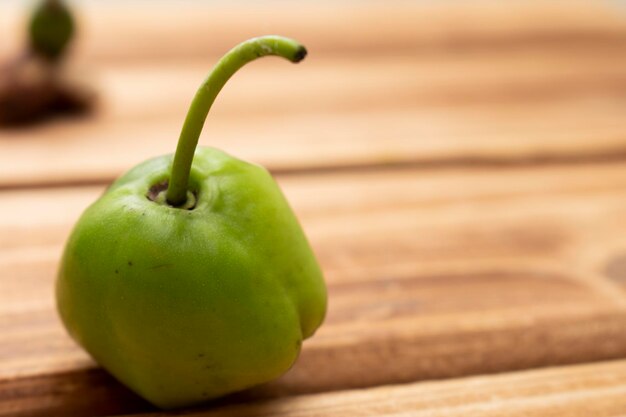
<point>230,63</point>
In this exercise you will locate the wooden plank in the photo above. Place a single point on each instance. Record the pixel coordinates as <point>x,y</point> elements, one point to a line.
<point>573,391</point>
<point>597,390</point>
<point>184,29</point>
<point>98,150</point>
<point>273,88</point>
<point>431,275</point>
<point>524,97</point>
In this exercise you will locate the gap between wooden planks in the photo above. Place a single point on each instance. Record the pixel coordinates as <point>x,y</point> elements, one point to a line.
<point>430,275</point>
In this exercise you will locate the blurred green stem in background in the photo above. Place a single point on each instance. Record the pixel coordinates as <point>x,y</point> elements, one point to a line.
<point>51,29</point>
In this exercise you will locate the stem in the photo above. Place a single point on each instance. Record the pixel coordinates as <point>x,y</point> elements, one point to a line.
<point>51,29</point>
<point>230,63</point>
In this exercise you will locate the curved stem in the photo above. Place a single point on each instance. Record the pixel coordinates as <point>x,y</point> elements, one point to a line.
<point>229,64</point>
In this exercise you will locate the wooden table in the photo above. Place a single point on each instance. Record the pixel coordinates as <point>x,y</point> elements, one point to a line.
<point>459,169</point>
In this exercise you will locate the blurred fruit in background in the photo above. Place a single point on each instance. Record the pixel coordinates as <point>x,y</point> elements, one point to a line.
<point>37,82</point>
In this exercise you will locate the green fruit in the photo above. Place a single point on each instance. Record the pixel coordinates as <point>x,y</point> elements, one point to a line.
<point>51,28</point>
<point>185,301</point>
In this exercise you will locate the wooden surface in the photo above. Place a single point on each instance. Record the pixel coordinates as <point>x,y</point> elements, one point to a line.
<point>578,391</point>
<point>431,85</point>
<point>462,181</point>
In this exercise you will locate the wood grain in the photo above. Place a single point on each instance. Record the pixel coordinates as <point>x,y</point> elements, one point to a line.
<point>431,275</point>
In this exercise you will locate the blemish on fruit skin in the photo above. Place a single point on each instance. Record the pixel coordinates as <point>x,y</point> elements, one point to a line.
<point>117,271</point>
<point>130,263</point>
<point>161,266</point>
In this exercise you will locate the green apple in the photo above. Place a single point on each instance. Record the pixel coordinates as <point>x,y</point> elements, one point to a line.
<point>191,278</point>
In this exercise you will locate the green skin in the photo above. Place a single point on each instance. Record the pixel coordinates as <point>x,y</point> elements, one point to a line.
<point>191,302</point>
<point>51,28</point>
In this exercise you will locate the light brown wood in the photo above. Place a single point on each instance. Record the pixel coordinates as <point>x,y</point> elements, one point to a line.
<point>597,390</point>
<point>431,274</point>
<point>131,32</point>
<point>521,133</point>
<point>512,85</point>
<point>458,169</point>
